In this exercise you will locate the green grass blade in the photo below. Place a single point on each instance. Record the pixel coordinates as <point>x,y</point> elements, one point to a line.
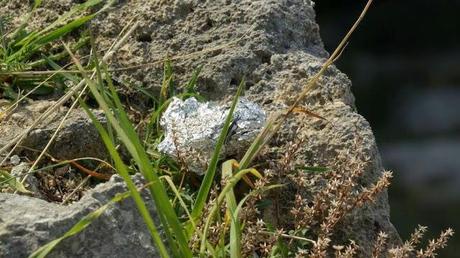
<point>37,3</point>
<point>122,170</point>
<point>63,18</point>
<point>73,11</point>
<point>33,41</point>
<point>211,171</point>
<point>178,195</point>
<point>57,67</point>
<point>81,42</point>
<point>184,206</point>
<point>146,93</point>
<point>255,192</point>
<point>264,136</point>
<point>307,169</point>
<point>156,115</point>
<point>191,85</point>
<point>6,179</point>
<point>231,182</point>
<point>58,33</point>
<point>123,127</point>
<point>235,227</point>
<point>28,49</point>
<point>168,215</point>
<point>167,86</point>
<point>115,156</point>
<point>101,86</point>
<point>24,23</point>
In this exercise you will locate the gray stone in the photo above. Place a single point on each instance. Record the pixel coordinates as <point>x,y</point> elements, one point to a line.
<point>181,27</point>
<point>15,160</point>
<point>77,138</point>
<point>26,223</point>
<point>280,81</point>
<point>31,182</point>
<point>193,128</point>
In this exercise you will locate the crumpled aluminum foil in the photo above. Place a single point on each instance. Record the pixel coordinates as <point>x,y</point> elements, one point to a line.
<point>193,128</point>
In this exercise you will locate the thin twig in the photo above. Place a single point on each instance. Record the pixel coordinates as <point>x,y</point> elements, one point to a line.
<point>288,236</point>
<point>79,186</point>
<point>55,134</point>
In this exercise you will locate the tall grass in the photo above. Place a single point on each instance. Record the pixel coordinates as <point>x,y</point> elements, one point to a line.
<point>21,50</point>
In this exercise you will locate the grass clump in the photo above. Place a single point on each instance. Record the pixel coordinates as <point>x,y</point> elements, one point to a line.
<point>23,51</point>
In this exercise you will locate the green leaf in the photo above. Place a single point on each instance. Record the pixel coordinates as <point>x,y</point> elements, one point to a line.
<point>131,140</point>
<point>235,225</point>
<point>9,93</point>
<point>43,90</point>
<point>262,138</point>
<point>122,170</point>
<point>307,169</point>
<point>212,168</point>
<point>280,249</point>
<point>37,3</point>
<point>57,67</point>
<point>63,18</point>
<point>191,85</point>
<point>231,182</point>
<point>34,40</point>
<point>58,33</point>
<point>118,118</point>
<point>167,87</point>
<point>11,181</point>
<point>264,203</point>
<point>119,164</point>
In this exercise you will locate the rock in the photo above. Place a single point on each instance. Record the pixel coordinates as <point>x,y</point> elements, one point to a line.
<point>31,182</point>
<point>26,223</point>
<point>77,138</point>
<point>343,131</point>
<point>193,128</point>
<point>276,44</point>
<point>15,160</point>
<point>247,32</point>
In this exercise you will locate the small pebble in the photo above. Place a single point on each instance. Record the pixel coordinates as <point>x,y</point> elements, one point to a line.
<point>15,160</point>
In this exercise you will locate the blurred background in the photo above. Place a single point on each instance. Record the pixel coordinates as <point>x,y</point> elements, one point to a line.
<point>404,62</point>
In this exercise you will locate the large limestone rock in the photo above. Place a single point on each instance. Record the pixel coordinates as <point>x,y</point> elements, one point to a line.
<point>27,223</point>
<point>279,48</point>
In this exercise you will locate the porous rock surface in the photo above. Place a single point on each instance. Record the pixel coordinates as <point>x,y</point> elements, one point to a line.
<point>276,45</point>
<point>26,223</point>
<point>76,139</point>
